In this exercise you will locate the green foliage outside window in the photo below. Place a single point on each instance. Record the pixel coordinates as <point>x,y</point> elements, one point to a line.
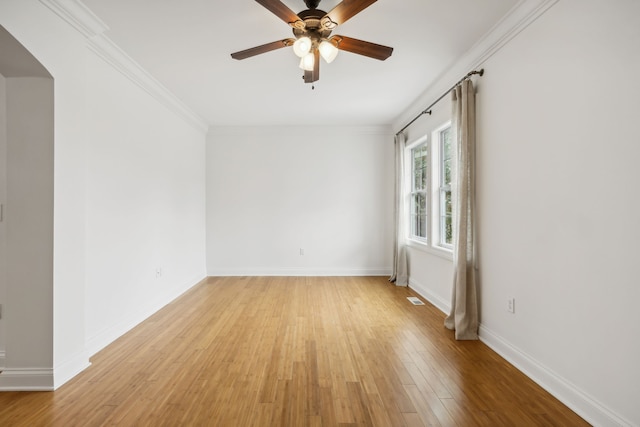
<point>418,191</point>
<point>446,226</point>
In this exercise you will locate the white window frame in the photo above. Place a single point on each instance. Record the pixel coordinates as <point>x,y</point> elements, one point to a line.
<point>439,188</point>
<point>427,190</point>
<point>433,241</point>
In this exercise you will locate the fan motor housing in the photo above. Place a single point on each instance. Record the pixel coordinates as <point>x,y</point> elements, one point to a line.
<point>312,4</point>
<point>313,26</point>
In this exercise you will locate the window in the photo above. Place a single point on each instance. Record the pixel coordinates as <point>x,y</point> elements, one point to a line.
<point>419,174</point>
<point>445,227</point>
<point>430,197</point>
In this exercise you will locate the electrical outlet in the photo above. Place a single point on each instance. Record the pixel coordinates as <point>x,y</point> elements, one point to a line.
<point>301,251</point>
<point>158,272</point>
<point>511,305</point>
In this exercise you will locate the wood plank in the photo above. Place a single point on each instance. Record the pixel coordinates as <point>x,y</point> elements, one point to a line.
<point>269,351</point>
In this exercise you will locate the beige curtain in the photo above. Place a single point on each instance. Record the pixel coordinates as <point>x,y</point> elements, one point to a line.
<point>400,271</point>
<point>463,317</point>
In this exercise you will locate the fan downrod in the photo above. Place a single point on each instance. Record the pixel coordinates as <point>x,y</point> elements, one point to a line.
<point>312,4</point>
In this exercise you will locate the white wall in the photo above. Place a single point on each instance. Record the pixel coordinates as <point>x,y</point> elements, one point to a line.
<point>272,191</point>
<point>558,207</point>
<point>3,201</point>
<point>145,205</point>
<point>29,228</point>
<point>150,183</point>
<point>60,48</point>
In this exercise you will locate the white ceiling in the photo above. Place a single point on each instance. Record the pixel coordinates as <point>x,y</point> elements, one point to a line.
<point>186,45</point>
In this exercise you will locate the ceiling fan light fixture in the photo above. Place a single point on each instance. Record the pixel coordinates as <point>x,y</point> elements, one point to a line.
<point>328,51</point>
<point>307,62</point>
<point>312,30</point>
<point>302,46</point>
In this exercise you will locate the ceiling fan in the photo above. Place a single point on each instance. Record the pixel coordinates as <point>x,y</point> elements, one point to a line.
<point>312,30</point>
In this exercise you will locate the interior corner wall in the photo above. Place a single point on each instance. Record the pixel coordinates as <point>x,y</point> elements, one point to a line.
<point>29,230</point>
<point>60,48</point>
<point>299,201</point>
<point>145,204</point>
<point>558,225</point>
<point>3,200</point>
<point>124,164</point>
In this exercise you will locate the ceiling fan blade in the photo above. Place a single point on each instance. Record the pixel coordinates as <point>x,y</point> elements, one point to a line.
<point>346,10</point>
<point>313,76</point>
<point>361,47</point>
<point>283,12</point>
<point>243,54</point>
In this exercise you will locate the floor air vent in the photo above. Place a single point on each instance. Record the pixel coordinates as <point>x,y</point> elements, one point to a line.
<point>415,301</point>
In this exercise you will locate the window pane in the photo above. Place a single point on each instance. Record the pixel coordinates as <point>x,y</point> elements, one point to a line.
<point>445,143</point>
<point>419,215</point>
<point>445,137</point>
<point>447,172</point>
<point>448,238</point>
<point>419,166</point>
<point>446,162</point>
<point>419,181</point>
<point>447,203</point>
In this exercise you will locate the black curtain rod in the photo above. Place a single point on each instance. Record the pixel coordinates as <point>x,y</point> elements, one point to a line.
<point>428,109</point>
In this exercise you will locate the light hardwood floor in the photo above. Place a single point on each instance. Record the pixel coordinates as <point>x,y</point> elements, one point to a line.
<point>292,351</point>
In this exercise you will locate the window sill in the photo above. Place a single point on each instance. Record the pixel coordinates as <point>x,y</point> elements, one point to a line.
<point>425,247</point>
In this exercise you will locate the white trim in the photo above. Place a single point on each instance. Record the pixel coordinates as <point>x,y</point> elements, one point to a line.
<point>111,53</point>
<point>516,20</point>
<point>418,141</point>
<point>269,130</point>
<point>105,337</point>
<point>293,272</point>
<point>70,368</point>
<point>438,251</point>
<point>568,393</point>
<point>26,379</point>
<point>79,16</point>
<point>424,292</point>
<point>519,17</point>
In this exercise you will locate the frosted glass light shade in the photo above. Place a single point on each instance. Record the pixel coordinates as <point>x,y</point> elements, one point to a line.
<point>307,62</point>
<point>302,46</point>
<point>328,51</point>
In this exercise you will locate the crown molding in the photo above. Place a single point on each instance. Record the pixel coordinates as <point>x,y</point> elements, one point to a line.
<point>78,16</point>
<point>382,130</point>
<point>111,53</point>
<point>517,19</point>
